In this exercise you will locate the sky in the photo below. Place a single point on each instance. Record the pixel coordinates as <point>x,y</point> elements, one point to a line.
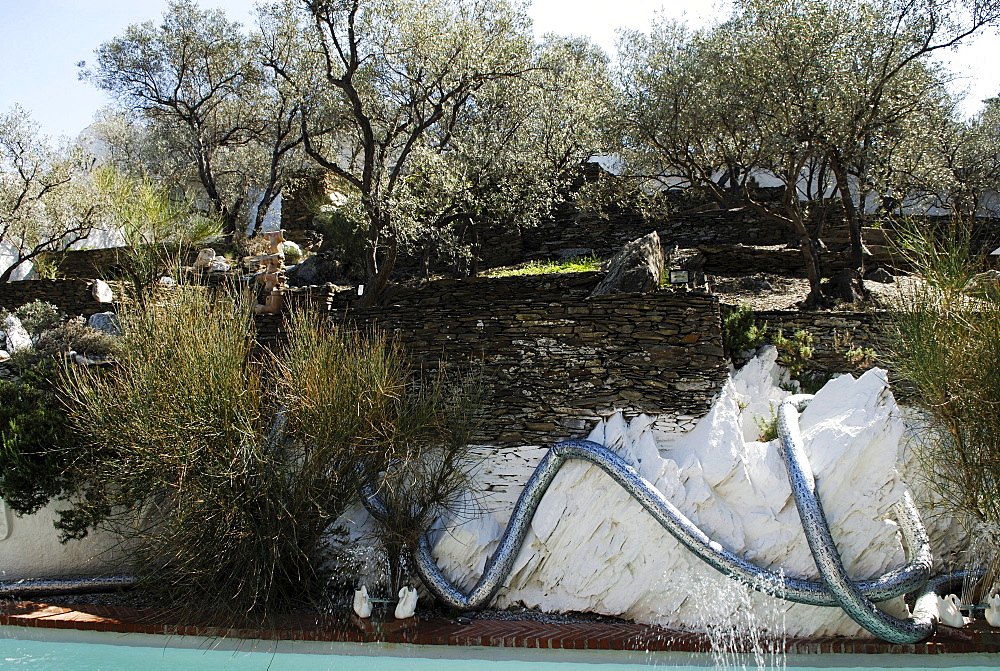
<point>44,39</point>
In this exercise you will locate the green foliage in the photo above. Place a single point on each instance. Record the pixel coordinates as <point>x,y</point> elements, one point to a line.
<point>740,330</point>
<point>38,316</point>
<point>945,345</point>
<point>45,199</point>
<point>794,353</point>
<point>158,230</point>
<point>768,426</point>
<point>579,264</point>
<point>225,467</point>
<point>36,446</point>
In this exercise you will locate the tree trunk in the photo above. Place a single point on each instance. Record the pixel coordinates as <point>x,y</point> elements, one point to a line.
<point>854,218</point>
<point>378,273</point>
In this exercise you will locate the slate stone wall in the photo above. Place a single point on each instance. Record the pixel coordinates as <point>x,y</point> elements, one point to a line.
<point>71,296</point>
<point>835,334</point>
<point>555,365</point>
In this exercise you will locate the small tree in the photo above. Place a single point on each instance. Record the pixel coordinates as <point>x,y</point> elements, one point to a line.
<point>45,200</point>
<point>158,232</point>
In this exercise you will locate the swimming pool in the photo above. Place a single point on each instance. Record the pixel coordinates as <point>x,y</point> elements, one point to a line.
<point>93,651</point>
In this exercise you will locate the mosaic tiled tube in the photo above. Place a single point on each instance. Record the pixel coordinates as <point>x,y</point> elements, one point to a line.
<point>848,593</point>
<point>894,583</point>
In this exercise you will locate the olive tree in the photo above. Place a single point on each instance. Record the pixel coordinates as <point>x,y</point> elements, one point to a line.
<point>814,93</point>
<point>200,90</point>
<point>511,157</point>
<point>44,193</point>
<point>393,81</point>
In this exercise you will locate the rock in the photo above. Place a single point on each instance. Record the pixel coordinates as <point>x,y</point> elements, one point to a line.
<point>219,265</point>
<point>167,281</point>
<point>984,285</point>
<point>205,258</point>
<point>317,269</point>
<point>880,275</point>
<point>634,269</point>
<point>4,355</point>
<point>101,292</point>
<point>16,336</point>
<point>588,533</point>
<point>105,321</point>
<point>573,252</point>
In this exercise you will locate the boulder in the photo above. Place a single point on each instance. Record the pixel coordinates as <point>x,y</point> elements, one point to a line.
<point>105,321</point>
<point>317,269</point>
<point>880,275</point>
<point>101,292</point>
<point>15,335</point>
<point>634,269</point>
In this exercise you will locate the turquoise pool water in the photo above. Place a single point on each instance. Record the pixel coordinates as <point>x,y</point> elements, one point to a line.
<point>43,655</point>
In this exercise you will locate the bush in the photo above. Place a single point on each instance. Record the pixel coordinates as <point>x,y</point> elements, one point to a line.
<point>945,345</point>
<point>225,466</point>
<point>36,447</point>
<point>740,330</point>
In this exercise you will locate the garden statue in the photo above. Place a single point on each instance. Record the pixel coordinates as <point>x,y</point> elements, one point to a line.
<point>949,611</point>
<point>362,604</point>
<point>992,613</point>
<point>271,279</point>
<point>407,605</point>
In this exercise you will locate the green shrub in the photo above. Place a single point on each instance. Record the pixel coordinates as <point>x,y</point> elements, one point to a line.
<point>183,459</point>
<point>38,316</point>
<point>36,446</point>
<point>740,330</point>
<point>945,346</point>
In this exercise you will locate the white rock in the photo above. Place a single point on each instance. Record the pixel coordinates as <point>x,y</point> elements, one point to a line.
<point>101,292</point>
<point>592,548</point>
<point>17,337</point>
<point>167,281</point>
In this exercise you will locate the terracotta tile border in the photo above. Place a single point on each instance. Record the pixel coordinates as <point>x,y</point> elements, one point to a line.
<point>977,638</point>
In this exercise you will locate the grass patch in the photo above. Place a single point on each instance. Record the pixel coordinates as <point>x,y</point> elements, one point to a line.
<point>579,264</point>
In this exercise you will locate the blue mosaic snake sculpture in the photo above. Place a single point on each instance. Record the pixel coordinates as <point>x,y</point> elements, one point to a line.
<point>835,589</point>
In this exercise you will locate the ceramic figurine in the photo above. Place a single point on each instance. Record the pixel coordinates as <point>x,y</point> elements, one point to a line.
<point>407,605</point>
<point>992,613</point>
<point>950,612</point>
<point>362,604</point>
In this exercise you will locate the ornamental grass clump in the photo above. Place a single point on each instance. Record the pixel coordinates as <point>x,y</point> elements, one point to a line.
<point>945,349</point>
<point>224,466</point>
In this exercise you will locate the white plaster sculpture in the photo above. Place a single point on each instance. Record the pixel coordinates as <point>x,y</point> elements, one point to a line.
<point>950,611</point>
<point>362,604</point>
<point>732,486</point>
<point>407,605</point>
<point>992,613</point>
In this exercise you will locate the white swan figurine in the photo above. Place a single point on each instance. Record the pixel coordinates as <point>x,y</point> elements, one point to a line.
<point>407,605</point>
<point>362,604</point>
<point>950,612</point>
<point>992,613</point>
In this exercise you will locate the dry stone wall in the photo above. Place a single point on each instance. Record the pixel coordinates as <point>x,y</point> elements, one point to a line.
<point>835,336</point>
<point>72,296</point>
<point>554,364</point>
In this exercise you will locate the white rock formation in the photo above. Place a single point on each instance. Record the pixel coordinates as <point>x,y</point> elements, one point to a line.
<point>592,548</point>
